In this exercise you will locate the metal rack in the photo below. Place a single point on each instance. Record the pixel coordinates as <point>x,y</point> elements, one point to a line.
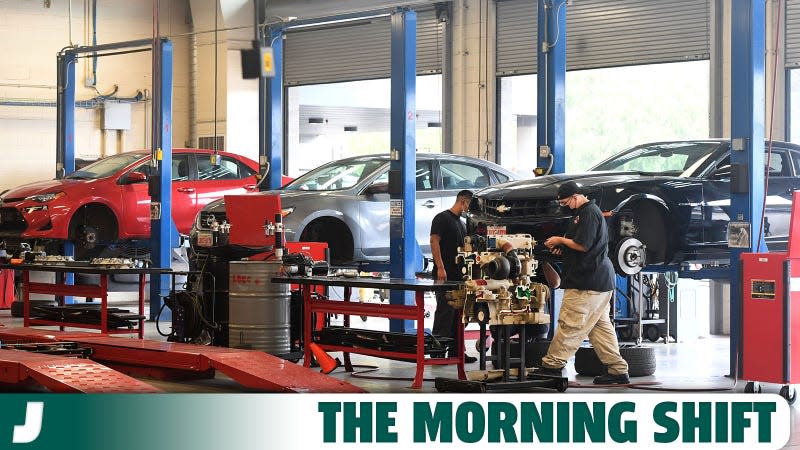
<point>644,313</point>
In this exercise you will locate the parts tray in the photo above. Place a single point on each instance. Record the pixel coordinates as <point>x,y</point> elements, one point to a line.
<point>86,314</point>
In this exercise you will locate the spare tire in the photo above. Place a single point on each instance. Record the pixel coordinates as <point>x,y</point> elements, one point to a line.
<point>641,361</point>
<point>587,363</point>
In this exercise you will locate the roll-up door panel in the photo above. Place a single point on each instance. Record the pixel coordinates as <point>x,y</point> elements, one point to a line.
<point>359,50</point>
<point>607,33</point>
<point>792,54</point>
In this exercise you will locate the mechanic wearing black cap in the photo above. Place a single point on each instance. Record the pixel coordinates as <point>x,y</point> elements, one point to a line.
<point>588,282</point>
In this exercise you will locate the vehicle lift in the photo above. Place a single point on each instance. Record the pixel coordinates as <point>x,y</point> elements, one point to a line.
<point>770,341</point>
<point>115,359</point>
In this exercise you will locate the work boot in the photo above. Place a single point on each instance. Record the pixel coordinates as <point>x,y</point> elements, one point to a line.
<point>612,379</point>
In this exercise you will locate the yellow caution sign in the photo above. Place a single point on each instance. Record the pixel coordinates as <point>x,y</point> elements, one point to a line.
<point>267,62</point>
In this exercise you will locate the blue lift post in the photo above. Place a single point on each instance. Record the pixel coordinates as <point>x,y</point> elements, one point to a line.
<point>163,235</point>
<point>65,143</point>
<point>163,232</point>
<point>65,131</point>
<point>551,70</point>
<point>270,93</point>
<point>747,142</point>
<point>402,216</point>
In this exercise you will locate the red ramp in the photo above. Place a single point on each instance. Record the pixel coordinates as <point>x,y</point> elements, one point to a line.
<point>60,374</point>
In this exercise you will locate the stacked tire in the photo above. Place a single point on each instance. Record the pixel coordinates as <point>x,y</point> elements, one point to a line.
<point>641,361</point>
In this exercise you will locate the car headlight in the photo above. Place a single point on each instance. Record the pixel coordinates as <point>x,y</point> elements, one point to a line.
<point>44,198</point>
<point>286,211</point>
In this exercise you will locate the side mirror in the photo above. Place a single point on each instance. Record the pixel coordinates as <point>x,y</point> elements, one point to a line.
<point>377,188</point>
<point>136,177</point>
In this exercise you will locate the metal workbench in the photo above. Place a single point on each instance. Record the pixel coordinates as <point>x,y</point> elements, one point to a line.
<point>347,308</point>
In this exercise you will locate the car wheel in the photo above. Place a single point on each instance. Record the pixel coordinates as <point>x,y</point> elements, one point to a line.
<point>90,229</point>
<point>336,234</point>
<point>646,222</point>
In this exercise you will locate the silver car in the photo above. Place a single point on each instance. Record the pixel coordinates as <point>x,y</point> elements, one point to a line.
<point>346,202</point>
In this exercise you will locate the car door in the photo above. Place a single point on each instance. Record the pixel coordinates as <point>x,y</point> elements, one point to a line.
<point>135,220</point>
<point>136,199</point>
<point>778,209</point>
<point>457,176</point>
<point>716,198</point>
<point>184,191</point>
<point>229,177</point>
<point>374,212</point>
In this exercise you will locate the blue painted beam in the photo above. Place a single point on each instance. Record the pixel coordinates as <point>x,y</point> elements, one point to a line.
<point>402,222</point>
<point>272,138</point>
<point>551,70</point>
<point>263,115</point>
<point>747,133</point>
<point>163,236</point>
<point>65,146</point>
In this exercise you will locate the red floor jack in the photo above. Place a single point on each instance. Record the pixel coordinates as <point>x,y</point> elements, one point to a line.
<point>771,314</point>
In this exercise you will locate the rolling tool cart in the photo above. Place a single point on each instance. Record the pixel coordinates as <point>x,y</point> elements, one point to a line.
<point>771,315</point>
<point>646,316</point>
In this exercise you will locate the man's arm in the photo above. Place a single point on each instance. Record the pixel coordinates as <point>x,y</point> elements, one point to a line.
<point>436,251</point>
<point>555,241</point>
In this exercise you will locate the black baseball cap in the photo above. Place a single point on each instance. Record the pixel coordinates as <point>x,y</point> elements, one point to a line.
<point>568,189</point>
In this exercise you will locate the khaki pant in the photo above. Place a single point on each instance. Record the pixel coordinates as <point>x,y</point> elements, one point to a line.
<point>585,313</point>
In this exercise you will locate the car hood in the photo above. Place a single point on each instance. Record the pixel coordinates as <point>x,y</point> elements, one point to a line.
<point>40,187</point>
<point>547,186</point>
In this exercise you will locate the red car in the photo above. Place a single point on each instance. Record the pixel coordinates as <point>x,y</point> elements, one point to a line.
<point>108,201</point>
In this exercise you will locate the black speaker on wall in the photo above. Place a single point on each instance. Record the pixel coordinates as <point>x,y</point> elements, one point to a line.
<point>251,63</point>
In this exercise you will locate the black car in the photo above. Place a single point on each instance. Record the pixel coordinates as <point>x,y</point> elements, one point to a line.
<point>672,197</point>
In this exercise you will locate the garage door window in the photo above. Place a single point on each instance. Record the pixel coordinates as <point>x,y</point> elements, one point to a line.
<point>607,111</point>
<point>328,122</point>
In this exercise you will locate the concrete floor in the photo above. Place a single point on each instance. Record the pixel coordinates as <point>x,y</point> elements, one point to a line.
<point>700,365</point>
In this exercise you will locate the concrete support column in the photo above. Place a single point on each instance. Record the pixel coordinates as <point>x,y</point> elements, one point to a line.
<point>474,80</point>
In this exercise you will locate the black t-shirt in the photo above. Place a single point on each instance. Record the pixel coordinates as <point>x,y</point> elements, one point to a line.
<point>590,270</point>
<point>451,233</point>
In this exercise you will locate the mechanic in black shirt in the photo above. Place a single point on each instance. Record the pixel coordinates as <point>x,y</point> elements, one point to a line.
<point>588,282</point>
<point>447,234</point>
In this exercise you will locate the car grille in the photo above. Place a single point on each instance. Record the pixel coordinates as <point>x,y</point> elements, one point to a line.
<point>205,219</point>
<point>11,219</point>
<point>505,209</point>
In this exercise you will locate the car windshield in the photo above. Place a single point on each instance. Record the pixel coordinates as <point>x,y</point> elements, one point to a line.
<point>106,166</point>
<point>676,158</point>
<point>336,175</point>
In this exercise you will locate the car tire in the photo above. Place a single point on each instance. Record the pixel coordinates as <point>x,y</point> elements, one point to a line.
<point>90,229</point>
<point>641,361</point>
